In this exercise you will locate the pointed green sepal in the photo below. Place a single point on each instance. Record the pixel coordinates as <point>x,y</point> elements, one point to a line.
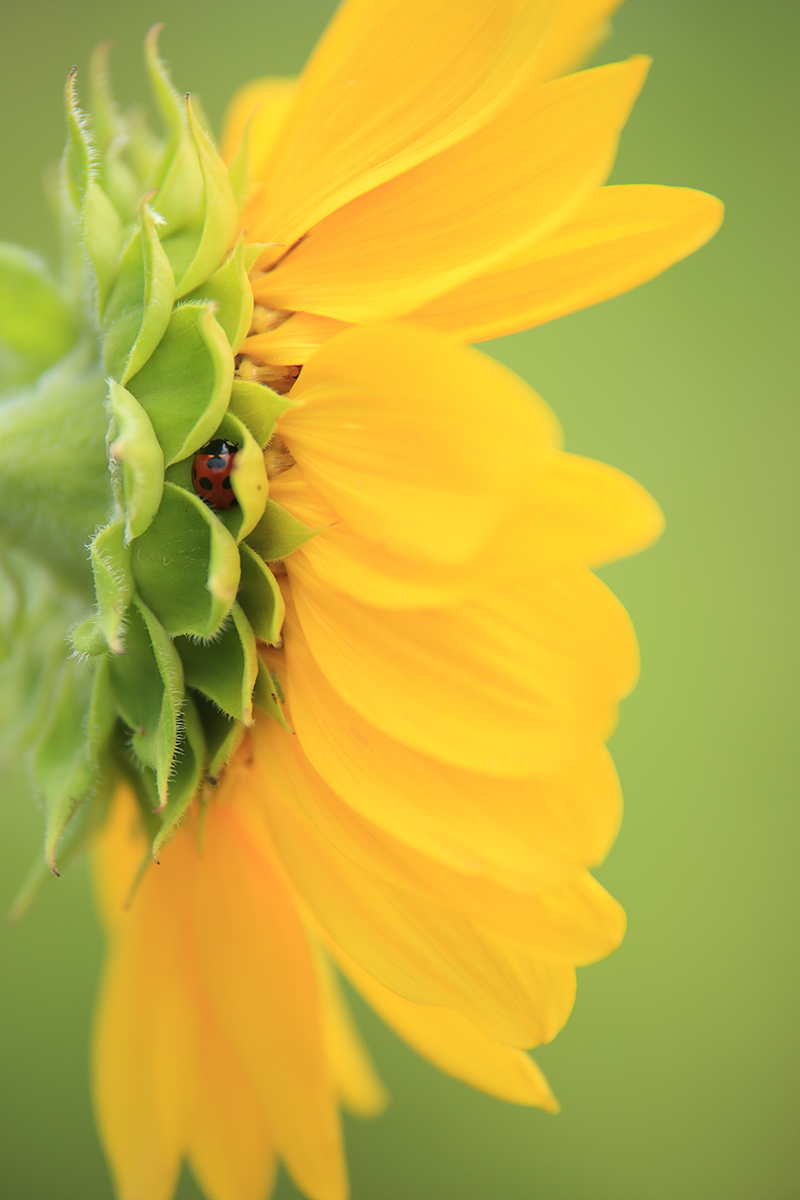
<point>258,407</point>
<point>267,696</point>
<point>230,289</point>
<point>278,533</point>
<point>147,682</point>
<point>221,210</point>
<point>178,178</point>
<point>260,597</point>
<point>140,304</point>
<point>113,582</point>
<point>185,384</point>
<point>223,736</point>
<point>248,477</point>
<point>137,449</point>
<point>103,238</point>
<point>78,163</point>
<point>189,767</point>
<point>63,769</point>
<point>186,565</point>
<point>225,670</point>
<point>254,250</point>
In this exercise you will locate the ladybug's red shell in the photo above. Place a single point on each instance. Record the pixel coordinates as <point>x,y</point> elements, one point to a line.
<point>211,474</point>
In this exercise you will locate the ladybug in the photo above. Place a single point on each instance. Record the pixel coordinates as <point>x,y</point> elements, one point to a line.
<point>211,474</point>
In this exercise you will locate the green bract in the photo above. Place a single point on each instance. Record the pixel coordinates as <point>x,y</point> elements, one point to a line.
<point>130,612</point>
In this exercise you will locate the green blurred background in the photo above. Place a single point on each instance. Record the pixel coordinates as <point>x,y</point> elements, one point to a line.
<point>678,1072</point>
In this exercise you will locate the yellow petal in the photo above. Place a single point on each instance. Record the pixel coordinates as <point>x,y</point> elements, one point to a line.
<point>120,849</point>
<point>533,832</point>
<point>360,1089</point>
<point>389,427</point>
<point>145,1041</point>
<point>620,238</point>
<point>417,948</point>
<point>573,510</point>
<point>388,86</point>
<point>294,341</point>
<point>455,1045</point>
<point>514,683</point>
<point>231,1152</point>
<point>581,25</point>
<point>575,923</point>
<point>265,103</point>
<point>456,215</point>
<point>259,974</point>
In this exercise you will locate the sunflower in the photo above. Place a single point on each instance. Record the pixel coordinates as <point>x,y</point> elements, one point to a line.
<point>355,705</point>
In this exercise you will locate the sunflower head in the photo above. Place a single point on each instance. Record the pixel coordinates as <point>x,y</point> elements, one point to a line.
<point>135,455</point>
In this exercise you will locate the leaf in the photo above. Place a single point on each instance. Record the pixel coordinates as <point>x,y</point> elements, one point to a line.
<point>34,319</point>
<point>186,565</point>
<point>258,407</point>
<point>147,682</point>
<point>260,597</point>
<point>140,304</point>
<point>188,772</point>
<point>266,696</point>
<point>278,533</point>
<point>137,449</point>
<point>185,385</point>
<point>230,289</point>
<point>58,475</point>
<point>221,210</point>
<point>113,581</point>
<point>224,670</point>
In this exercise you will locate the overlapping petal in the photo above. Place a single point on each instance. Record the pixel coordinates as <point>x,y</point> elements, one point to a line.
<point>456,215</point>
<point>534,832</point>
<point>401,454</point>
<point>454,1044</point>
<point>620,238</point>
<point>423,951</point>
<point>388,86</point>
<point>514,683</point>
<point>574,923</point>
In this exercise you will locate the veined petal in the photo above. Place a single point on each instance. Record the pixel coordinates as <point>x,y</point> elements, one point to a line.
<point>144,1052</point>
<point>620,238</point>
<point>294,341</point>
<point>261,982</point>
<point>389,426</point>
<point>388,86</point>
<point>456,215</point>
<point>265,104</point>
<point>514,683</point>
<point>454,1044</point>
<point>574,510</point>
<point>534,832</point>
<point>575,923</point>
<point>230,1152</point>
<point>415,947</point>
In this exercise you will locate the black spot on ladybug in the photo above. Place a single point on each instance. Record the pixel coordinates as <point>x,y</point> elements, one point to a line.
<point>215,460</point>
